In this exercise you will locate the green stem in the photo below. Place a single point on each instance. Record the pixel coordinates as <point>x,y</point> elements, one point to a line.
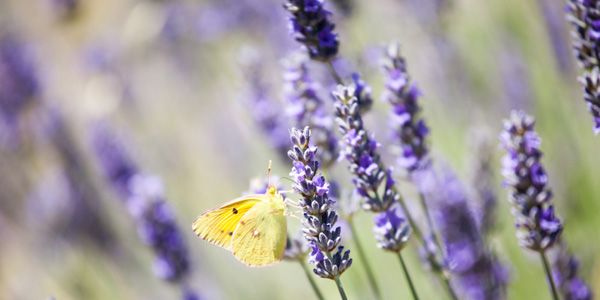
<point>334,73</point>
<point>449,287</point>
<point>310,278</point>
<point>432,231</point>
<point>408,278</point>
<point>340,287</point>
<point>549,276</point>
<point>363,258</point>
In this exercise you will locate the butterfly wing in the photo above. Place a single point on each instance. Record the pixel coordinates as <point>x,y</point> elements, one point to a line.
<point>217,226</point>
<point>260,237</point>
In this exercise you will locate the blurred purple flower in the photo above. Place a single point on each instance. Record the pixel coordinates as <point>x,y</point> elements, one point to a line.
<point>409,127</point>
<point>311,26</point>
<point>584,16</point>
<point>145,201</point>
<point>306,108</point>
<point>555,26</point>
<point>19,85</point>
<point>565,273</point>
<point>537,226</point>
<point>475,271</point>
<point>319,224</point>
<point>266,111</point>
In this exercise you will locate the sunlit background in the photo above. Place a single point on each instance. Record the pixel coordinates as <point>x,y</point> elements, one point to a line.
<point>175,81</point>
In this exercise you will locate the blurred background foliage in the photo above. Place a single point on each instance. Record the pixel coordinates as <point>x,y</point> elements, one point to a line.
<point>172,77</point>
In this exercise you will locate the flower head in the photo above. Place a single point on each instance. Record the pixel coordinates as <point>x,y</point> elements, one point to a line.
<point>371,179</point>
<point>565,273</point>
<point>584,16</point>
<point>391,230</point>
<point>409,127</point>
<point>537,226</point>
<point>319,224</point>
<point>143,195</point>
<point>311,26</point>
<point>306,108</point>
<point>476,271</point>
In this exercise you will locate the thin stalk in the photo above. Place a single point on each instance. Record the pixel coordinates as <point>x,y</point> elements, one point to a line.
<point>432,231</point>
<point>340,287</point>
<point>549,276</point>
<point>334,72</point>
<point>363,258</point>
<point>449,287</point>
<point>310,278</point>
<point>408,278</point>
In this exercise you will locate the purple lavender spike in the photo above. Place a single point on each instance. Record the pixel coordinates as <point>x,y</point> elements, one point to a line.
<point>538,228</point>
<point>311,26</point>
<point>320,231</point>
<point>584,16</point>
<point>409,128</point>
<point>145,201</point>
<point>475,271</point>
<point>306,108</point>
<point>565,273</point>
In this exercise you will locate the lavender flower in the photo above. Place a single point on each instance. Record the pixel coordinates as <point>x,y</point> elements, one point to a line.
<point>537,226</point>
<point>392,232</point>
<point>360,150</point>
<point>584,16</point>
<point>474,269</point>
<point>144,199</point>
<point>327,255</point>
<point>306,108</point>
<point>410,129</point>
<point>117,165</point>
<point>265,110</point>
<point>158,228</point>
<point>311,26</point>
<point>565,273</point>
<point>362,91</point>
<point>19,84</point>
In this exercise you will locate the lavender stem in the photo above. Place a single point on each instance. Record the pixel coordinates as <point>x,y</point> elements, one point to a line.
<point>432,231</point>
<point>311,280</point>
<point>365,262</point>
<point>408,278</point>
<point>549,275</point>
<point>340,287</point>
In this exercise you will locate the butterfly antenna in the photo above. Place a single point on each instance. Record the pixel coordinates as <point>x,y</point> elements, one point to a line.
<point>269,173</point>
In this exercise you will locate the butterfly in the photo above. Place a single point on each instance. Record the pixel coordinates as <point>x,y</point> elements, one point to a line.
<point>252,227</point>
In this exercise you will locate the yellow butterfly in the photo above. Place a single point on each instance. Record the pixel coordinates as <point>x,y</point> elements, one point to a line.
<point>253,227</point>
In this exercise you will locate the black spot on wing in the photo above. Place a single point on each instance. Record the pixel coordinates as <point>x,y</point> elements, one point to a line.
<point>235,211</point>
